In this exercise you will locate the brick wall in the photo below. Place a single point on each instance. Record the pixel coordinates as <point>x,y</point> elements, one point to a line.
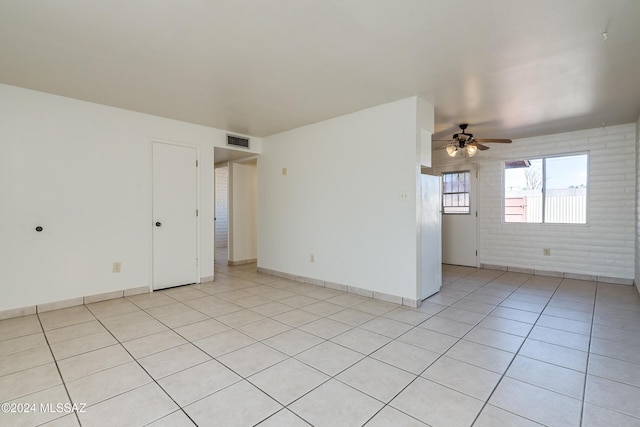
<point>604,247</point>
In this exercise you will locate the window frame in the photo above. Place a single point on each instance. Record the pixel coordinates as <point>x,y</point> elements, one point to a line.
<point>442,174</point>
<point>544,157</point>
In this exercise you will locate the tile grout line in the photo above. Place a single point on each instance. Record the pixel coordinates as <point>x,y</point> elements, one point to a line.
<point>247,378</point>
<point>330,377</point>
<point>586,369</point>
<point>486,402</point>
<point>441,355</point>
<point>150,376</point>
<point>604,377</point>
<point>438,358</point>
<point>588,351</point>
<point>351,327</point>
<point>212,357</point>
<point>287,358</point>
<point>64,383</point>
<point>285,406</point>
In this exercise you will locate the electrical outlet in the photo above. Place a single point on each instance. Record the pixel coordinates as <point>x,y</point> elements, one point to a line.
<point>404,195</point>
<point>546,251</point>
<point>312,258</point>
<point>117,266</point>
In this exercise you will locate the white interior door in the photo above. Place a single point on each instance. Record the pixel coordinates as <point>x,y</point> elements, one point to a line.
<point>430,236</point>
<point>460,230</point>
<point>174,215</point>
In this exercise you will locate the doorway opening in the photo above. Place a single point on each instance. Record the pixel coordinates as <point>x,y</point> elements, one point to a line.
<point>221,218</point>
<point>236,200</point>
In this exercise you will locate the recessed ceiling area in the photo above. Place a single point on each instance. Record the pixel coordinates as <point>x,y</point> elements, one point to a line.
<point>224,155</point>
<point>510,69</point>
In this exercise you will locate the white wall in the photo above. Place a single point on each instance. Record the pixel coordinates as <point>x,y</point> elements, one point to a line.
<point>604,247</point>
<point>637,254</point>
<point>243,212</point>
<point>340,200</point>
<point>222,206</point>
<point>82,171</point>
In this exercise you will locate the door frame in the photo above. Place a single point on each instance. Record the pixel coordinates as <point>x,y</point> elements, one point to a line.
<point>230,156</point>
<point>154,140</point>
<point>230,189</point>
<point>225,164</point>
<point>474,197</point>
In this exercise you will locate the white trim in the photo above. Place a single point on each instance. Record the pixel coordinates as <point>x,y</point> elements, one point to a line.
<point>560,274</point>
<point>543,157</point>
<point>72,302</point>
<point>354,290</point>
<point>230,213</point>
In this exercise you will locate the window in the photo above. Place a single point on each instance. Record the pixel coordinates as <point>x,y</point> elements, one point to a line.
<point>546,190</point>
<point>455,192</point>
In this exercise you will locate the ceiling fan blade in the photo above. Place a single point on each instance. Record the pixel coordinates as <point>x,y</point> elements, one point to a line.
<point>441,140</point>
<point>480,146</point>
<point>505,141</point>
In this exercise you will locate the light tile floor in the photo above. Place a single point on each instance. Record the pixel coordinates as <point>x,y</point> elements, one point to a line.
<point>491,349</point>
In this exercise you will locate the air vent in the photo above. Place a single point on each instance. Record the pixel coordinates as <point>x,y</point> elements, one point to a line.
<point>517,164</point>
<point>237,141</point>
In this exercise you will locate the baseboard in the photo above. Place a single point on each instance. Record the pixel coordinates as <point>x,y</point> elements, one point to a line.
<point>575,276</point>
<point>242,261</point>
<point>395,299</point>
<point>18,312</point>
<point>137,291</point>
<point>72,302</point>
<point>57,305</point>
<point>103,297</point>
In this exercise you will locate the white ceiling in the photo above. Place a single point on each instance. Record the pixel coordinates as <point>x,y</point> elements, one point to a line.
<point>511,68</point>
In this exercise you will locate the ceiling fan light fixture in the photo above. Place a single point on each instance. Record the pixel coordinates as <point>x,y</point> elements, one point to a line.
<point>467,145</point>
<point>471,150</point>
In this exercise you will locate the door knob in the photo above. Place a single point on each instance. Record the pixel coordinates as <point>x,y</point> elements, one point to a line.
<point>158,224</point>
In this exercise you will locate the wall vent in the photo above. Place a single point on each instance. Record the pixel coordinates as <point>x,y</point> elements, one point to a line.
<point>237,141</point>
<point>517,164</point>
